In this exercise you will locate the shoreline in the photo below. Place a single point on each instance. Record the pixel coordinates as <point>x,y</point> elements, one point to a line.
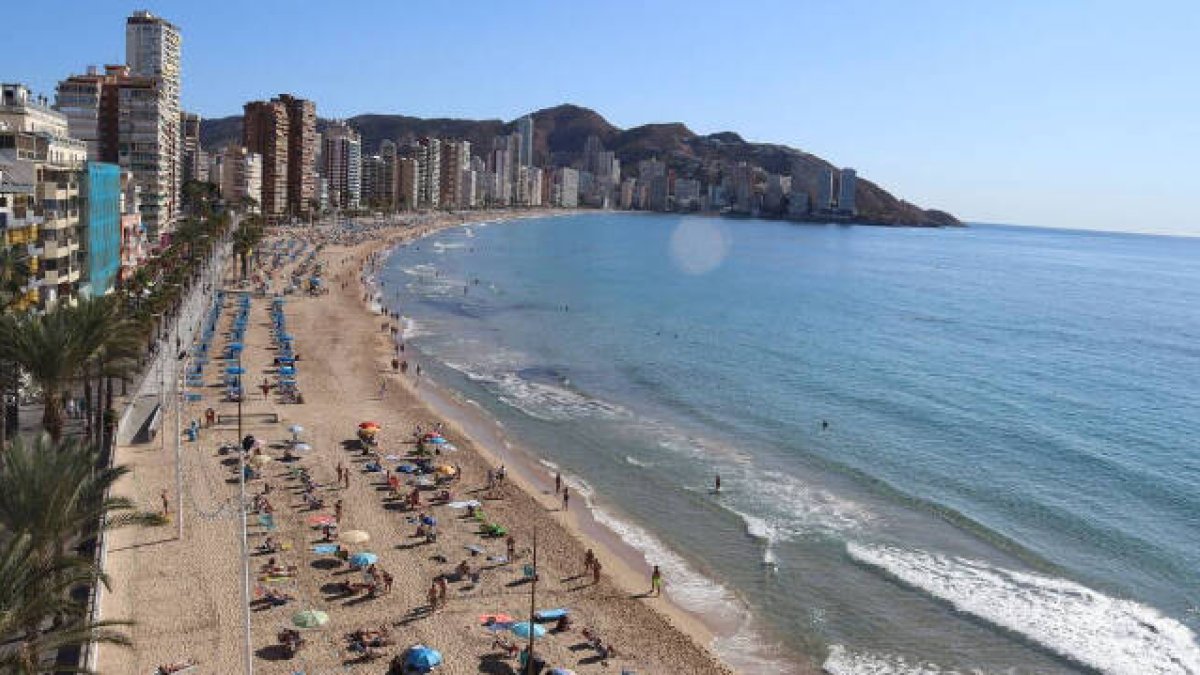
<point>536,485</point>
<point>183,595</point>
<point>534,475</point>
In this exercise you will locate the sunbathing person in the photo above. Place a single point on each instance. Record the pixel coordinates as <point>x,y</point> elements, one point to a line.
<point>177,667</point>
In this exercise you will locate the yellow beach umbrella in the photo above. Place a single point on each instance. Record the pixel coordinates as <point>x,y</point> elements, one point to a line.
<point>260,460</point>
<point>446,470</point>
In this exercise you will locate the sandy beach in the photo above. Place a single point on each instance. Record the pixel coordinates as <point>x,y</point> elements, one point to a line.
<point>185,597</point>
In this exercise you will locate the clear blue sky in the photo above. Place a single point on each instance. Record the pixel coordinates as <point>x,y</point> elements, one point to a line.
<point>1065,113</point>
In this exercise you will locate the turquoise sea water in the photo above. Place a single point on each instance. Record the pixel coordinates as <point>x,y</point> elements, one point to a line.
<point>1009,480</point>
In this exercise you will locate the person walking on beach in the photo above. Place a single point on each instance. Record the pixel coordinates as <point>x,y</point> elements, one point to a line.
<point>589,559</point>
<point>337,511</point>
<point>166,512</point>
<point>382,388</point>
<point>566,499</point>
<point>656,582</point>
<point>596,572</point>
<point>443,589</point>
<point>511,544</point>
<point>432,596</point>
<point>557,482</point>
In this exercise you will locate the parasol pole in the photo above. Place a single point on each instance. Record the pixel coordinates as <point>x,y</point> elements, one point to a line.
<point>532,606</point>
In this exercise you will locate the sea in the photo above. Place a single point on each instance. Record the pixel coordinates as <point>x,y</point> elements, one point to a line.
<point>961,450</point>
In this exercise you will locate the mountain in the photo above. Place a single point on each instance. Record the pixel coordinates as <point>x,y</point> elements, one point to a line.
<point>561,132</point>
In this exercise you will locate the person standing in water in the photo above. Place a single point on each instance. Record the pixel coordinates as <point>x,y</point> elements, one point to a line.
<point>717,483</point>
<point>656,582</point>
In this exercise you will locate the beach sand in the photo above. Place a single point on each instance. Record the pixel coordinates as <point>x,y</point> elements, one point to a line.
<point>185,596</point>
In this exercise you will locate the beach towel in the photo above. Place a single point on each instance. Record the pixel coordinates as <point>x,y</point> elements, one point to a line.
<point>325,549</point>
<point>550,614</point>
<point>464,505</point>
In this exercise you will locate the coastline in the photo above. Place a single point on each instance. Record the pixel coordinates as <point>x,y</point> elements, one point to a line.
<point>183,595</point>
<point>534,474</point>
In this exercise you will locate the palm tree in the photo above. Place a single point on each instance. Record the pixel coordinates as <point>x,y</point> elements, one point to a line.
<point>44,346</point>
<point>14,274</point>
<point>35,597</point>
<point>54,347</point>
<point>58,491</point>
<point>110,344</point>
<point>246,239</point>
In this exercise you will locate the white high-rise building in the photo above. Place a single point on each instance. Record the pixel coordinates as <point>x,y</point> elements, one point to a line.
<point>341,161</point>
<point>152,50</point>
<point>566,188</point>
<point>240,176</point>
<point>429,172</point>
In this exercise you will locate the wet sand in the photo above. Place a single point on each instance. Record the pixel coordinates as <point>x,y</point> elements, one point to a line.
<point>185,596</point>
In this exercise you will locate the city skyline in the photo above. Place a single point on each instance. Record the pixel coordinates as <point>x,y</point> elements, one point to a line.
<point>1060,117</point>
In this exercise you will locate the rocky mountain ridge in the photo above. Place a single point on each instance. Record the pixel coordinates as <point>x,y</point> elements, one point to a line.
<point>560,133</point>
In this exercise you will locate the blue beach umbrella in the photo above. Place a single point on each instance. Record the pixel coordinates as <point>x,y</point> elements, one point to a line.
<point>235,346</point>
<point>363,559</point>
<point>523,628</point>
<point>235,370</point>
<point>422,658</point>
<point>437,440</point>
<point>406,468</point>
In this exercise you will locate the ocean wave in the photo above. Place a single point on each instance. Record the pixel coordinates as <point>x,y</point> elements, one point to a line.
<point>760,529</point>
<point>691,589</point>
<point>637,462</point>
<point>411,328</point>
<point>803,508</point>
<point>842,661</point>
<point>1108,634</point>
<point>538,399</point>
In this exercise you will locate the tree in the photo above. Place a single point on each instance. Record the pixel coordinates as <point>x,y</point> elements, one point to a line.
<point>246,239</point>
<point>55,492</point>
<point>54,347</point>
<point>14,274</point>
<point>37,615</point>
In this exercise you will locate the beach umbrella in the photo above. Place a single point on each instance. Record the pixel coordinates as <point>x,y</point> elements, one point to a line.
<point>235,346</point>
<point>438,440</point>
<point>295,428</point>
<point>428,520</point>
<point>493,619</point>
<point>235,370</point>
<point>310,618</point>
<point>321,519</point>
<point>423,658</point>
<point>446,470</point>
<point>406,468</point>
<point>302,447</point>
<point>363,559</point>
<point>368,425</point>
<point>354,537</point>
<point>522,629</point>
<point>261,460</point>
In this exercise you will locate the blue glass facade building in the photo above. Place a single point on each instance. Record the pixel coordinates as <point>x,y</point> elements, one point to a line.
<point>103,225</point>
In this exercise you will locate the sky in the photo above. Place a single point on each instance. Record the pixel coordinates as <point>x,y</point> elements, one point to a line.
<point>1069,113</point>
